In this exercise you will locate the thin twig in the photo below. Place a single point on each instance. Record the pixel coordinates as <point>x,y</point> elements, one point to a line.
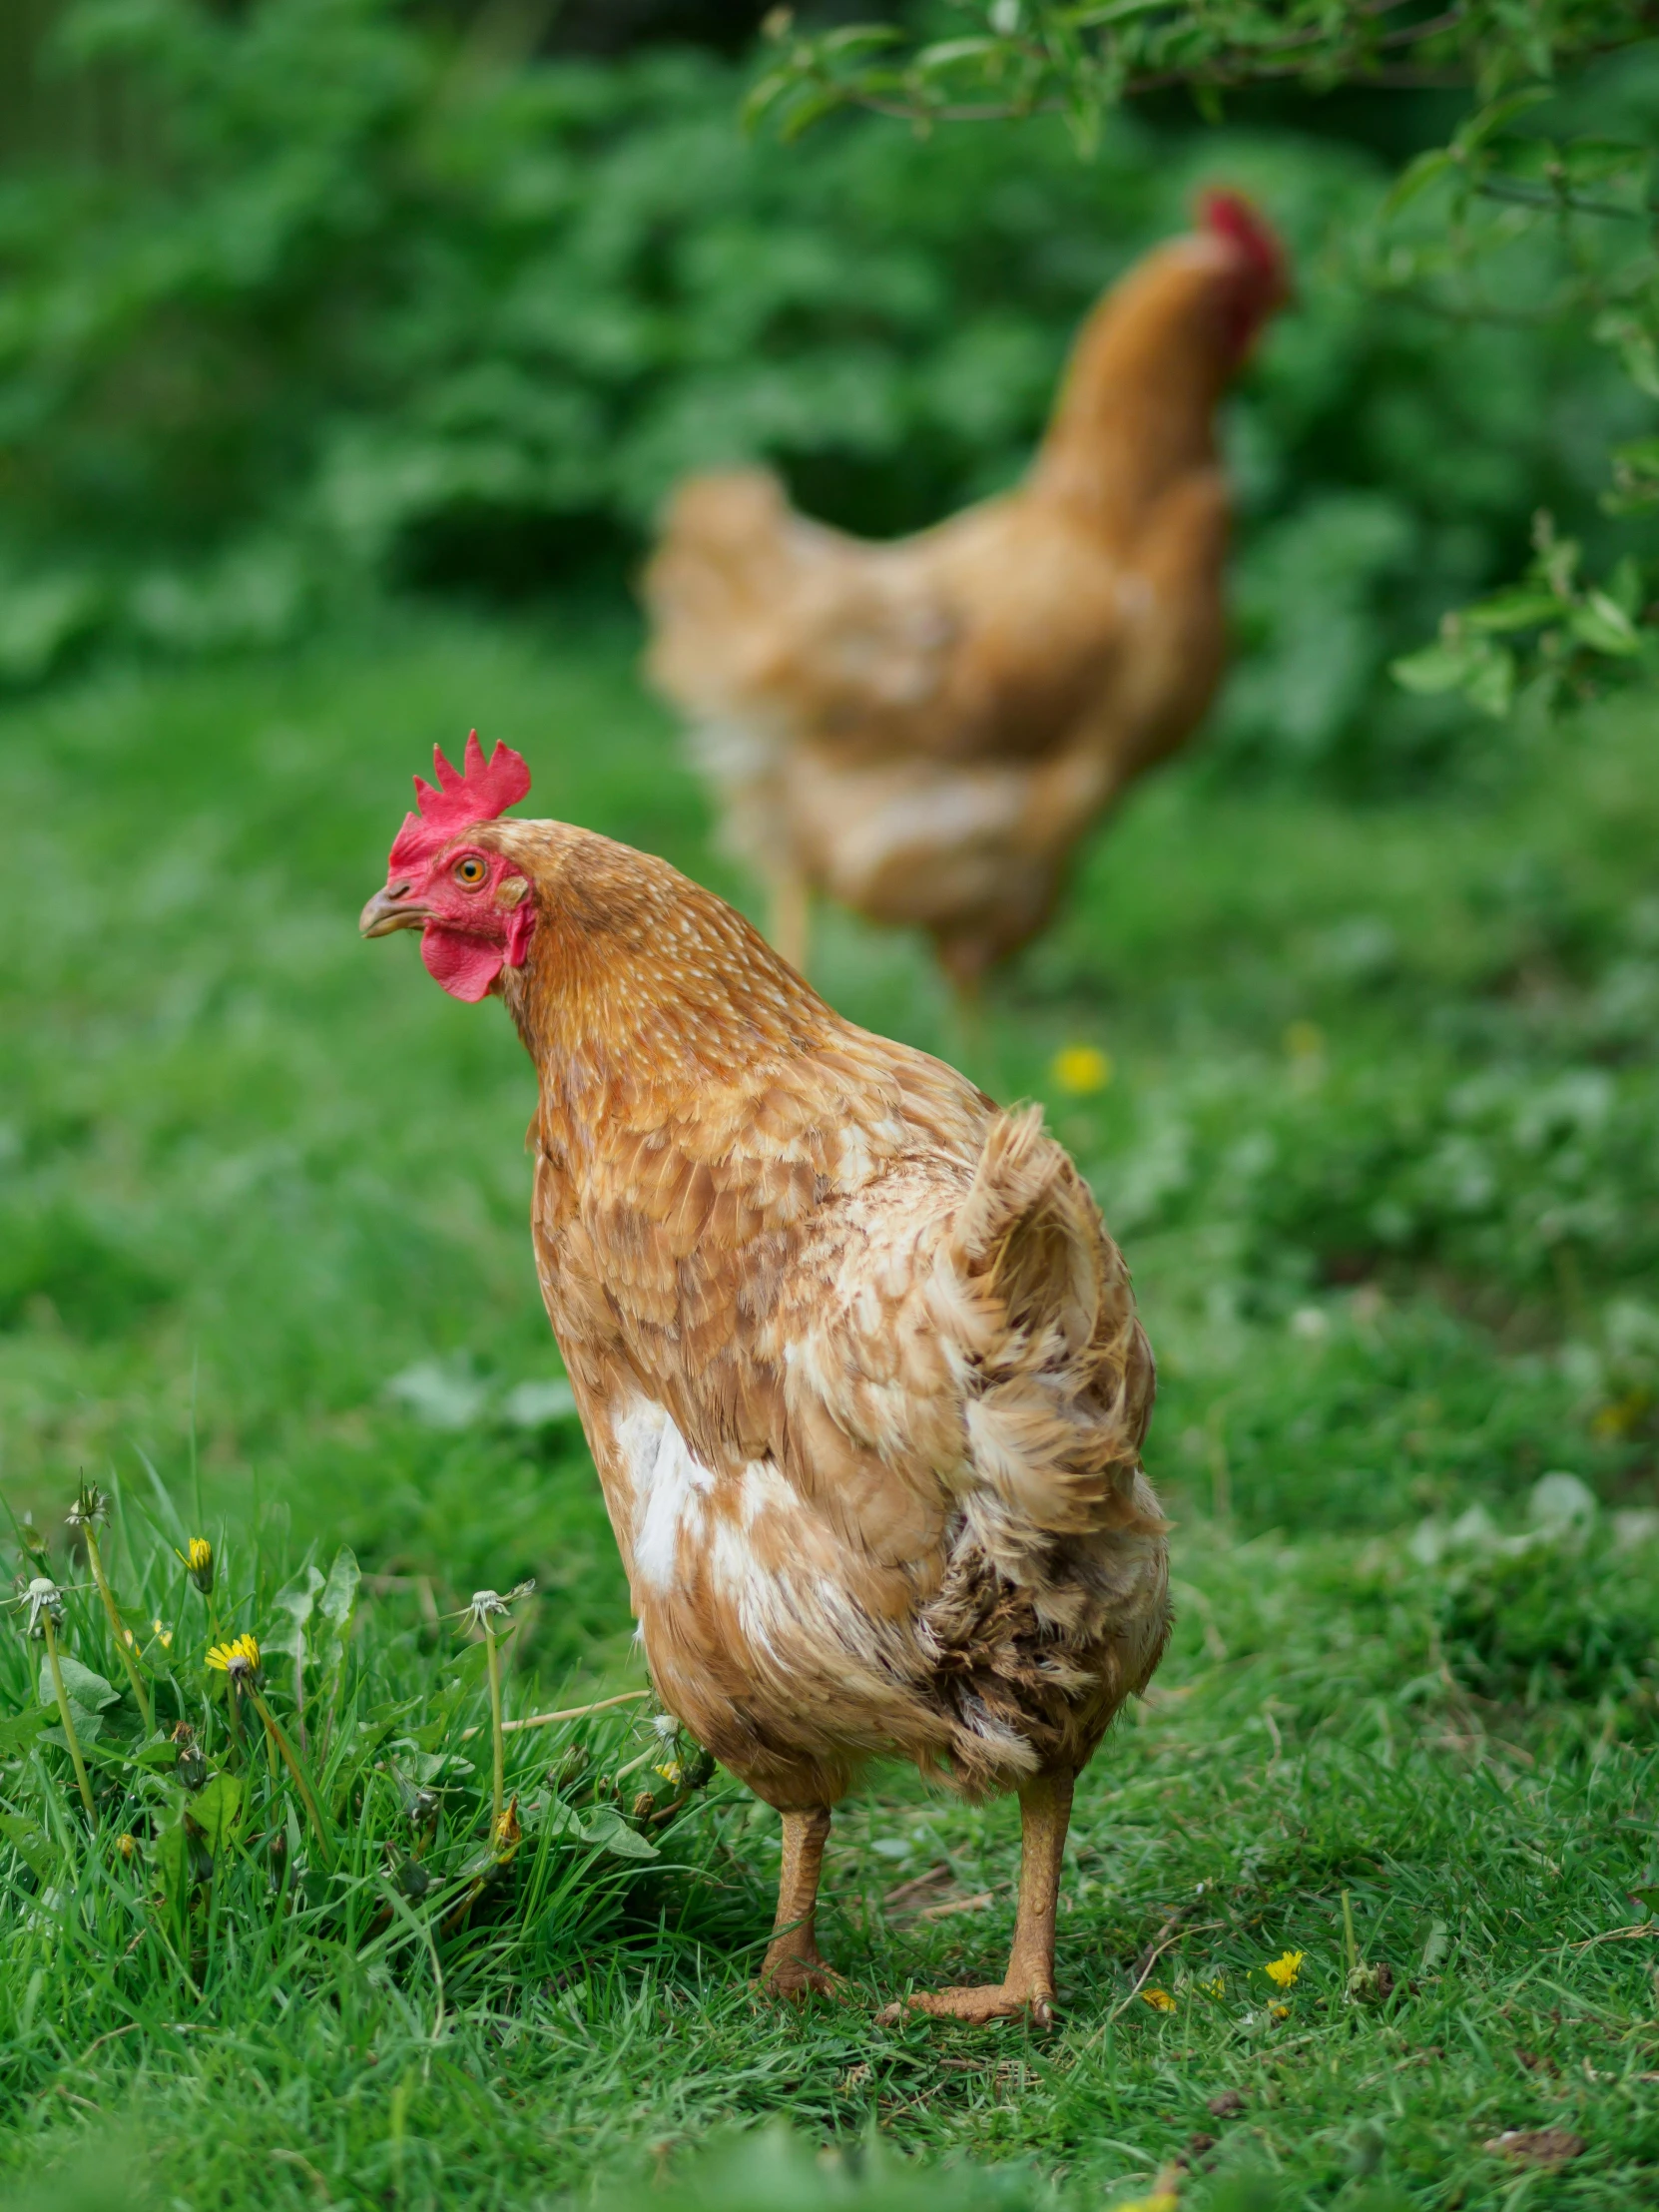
<point>569,1713</point>
<point>1618,1935</point>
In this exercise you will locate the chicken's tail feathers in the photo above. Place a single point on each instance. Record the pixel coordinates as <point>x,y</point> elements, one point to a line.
<point>724,555</point>
<point>1064,1378</point>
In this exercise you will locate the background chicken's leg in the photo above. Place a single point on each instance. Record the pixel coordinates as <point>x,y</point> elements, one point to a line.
<point>793,1963</point>
<point>1028,1986</point>
<point>790,917</point>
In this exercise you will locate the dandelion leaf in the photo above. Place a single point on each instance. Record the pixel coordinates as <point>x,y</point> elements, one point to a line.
<point>610,1831</point>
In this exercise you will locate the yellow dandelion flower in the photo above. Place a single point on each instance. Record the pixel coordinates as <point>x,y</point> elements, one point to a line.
<point>1304,1040</point>
<point>1080,1070</point>
<point>125,1845</point>
<point>1282,1971</point>
<point>239,1660</point>
<point>672,1771</point>
<point>162,1635</point>
<point>1164,2196</point>
<point>1279,2011</point>
<point>1159,1999</point>
<point>198,1557</point>
<point>1215,1988</point>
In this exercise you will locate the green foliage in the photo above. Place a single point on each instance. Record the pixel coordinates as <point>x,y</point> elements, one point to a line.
<point>1516,227</point>
<point>1083,58</point>
<point>1549,1617</point>
<point>322,1157</point>
<point>358,1833</point>
<point>460,321</point>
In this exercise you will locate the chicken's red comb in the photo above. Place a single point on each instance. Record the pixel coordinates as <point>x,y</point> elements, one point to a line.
<point>1229,216</point>
<point>478,791</point>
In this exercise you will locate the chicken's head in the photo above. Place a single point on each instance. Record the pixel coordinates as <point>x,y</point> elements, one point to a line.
<point>1260,283</point>
<point>472,906</point>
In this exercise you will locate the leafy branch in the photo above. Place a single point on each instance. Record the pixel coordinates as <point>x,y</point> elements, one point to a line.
<point>1441,231</point>
<point>1056,57</point>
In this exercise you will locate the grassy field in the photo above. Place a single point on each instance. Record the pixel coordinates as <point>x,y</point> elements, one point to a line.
<point>1380,1138</point>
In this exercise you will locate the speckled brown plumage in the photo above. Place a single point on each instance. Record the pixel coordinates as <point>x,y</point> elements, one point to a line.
<point>856,1358</point>
<point>924,729</point>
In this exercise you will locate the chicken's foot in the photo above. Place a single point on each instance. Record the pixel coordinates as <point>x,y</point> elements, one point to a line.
<point>1028,1986</point>
<point>793,1964</point>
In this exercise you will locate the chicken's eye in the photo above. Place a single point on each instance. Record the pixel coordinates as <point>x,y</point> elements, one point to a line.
<point>470,873</point>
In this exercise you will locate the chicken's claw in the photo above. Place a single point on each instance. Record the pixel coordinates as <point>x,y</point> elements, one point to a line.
<point>793,1980</point>
<point>975,2007</point>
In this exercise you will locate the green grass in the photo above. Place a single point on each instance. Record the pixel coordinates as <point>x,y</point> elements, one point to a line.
<point>1382,1142</point>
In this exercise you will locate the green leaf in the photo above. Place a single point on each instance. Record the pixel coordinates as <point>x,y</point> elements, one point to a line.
<point>32,1843</point>
<point>216,1808</point>
<point>299,1601</point>
<point>1116,11</point>
<point>1491,684</point>
<point>87,1692</point>
<point>1417,177</point>
<point>19,1731</point>
<point>762,93</point>
<point>1602,625</point>
<point>1492,119</point>
<point>339,1592</point>
<point>1524,607</point>
<point>1434,668</point>
<point>948,52</point>
<point>160,1755</point>
<point>611,1832</point>
<point>855,36</point>
<point>809,110</point>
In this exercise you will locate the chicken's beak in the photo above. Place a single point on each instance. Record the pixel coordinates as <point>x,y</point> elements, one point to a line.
<point>391,909</point>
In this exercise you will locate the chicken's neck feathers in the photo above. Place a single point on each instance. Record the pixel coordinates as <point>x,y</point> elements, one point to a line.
<point>1136,409</point>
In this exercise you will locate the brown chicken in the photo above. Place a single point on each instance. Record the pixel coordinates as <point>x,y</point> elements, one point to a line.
<point>924,730</point>
<point>856,1358</point>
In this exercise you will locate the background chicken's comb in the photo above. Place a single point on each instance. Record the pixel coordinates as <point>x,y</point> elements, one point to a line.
<point>1229,216</point>
<point>477,791</point>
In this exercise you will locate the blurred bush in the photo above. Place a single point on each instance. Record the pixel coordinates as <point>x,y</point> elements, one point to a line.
<point>378,300</point>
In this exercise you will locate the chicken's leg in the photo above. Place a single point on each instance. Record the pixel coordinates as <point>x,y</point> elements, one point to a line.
<point>792,1962</point>
<point>1028,1986</point>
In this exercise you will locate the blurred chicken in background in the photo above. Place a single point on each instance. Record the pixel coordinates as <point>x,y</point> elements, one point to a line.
<point>924,730</point>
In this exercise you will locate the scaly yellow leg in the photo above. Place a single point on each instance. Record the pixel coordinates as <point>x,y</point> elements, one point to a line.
<point>793,1963</point>
<point>1028,1986</point>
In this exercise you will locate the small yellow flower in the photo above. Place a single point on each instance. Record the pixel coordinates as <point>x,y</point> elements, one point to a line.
<point>1165,2194</point>
<point>162,1635</point>
<point>1282,1971</point>
<point>1304,1040</point>
<point>1081,1069</point>
<point>125,1845</point>
<point>199,1563</point>
<point>1159,1999</point>
<point>1624,1414</point>
<point>672,1771</point>
<point>238,1660</point>
<point>1279,2011</point>
<point>1215,1988</point>
<point>505,1833</point>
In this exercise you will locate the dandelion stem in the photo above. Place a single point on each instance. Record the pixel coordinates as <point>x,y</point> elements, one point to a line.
<point>70,1736</point>
<point>278,1742</point>
<point>1348,1934</point>
<point>140,1693</point>
<point>499,1742</point>
<point>235,1721</point>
